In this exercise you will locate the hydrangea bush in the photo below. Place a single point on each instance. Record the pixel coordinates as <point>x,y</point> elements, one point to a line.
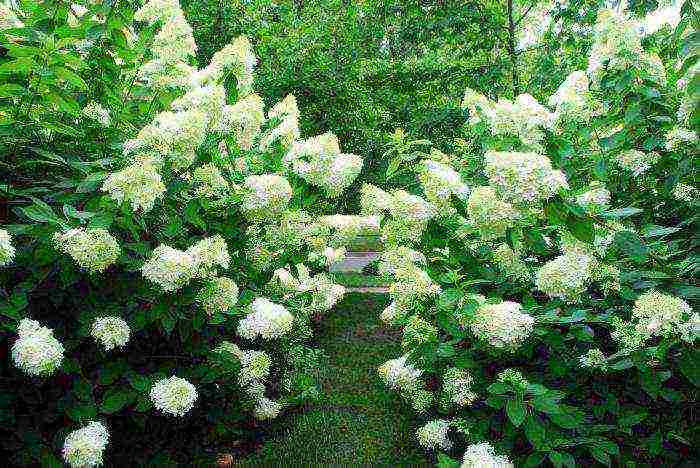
<point>549,309</point>
<point>176,273</point>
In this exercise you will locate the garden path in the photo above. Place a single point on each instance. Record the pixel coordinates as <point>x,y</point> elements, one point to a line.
<point>357,421</point>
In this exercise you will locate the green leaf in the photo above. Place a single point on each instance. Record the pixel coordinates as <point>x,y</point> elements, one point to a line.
<point>11,90</point>
<point>140,382</point>
<point>561,459</point>
<point>621,213</point>
<point>114,400</point>
<point>601,456</point>
<point>498,388</point>
<point>535,432</point>
<point>40,212</point>
<point>516,411</point>
<point>82,412</point>
<point>689,366</point>
<point>631,244</point>
<point>581,228</point>
<point>569,417</point>
<point>71,77</point>
<point>111,372</point>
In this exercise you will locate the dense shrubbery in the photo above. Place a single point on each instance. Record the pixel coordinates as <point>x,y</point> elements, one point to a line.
<point>549,313</point>
<point>144,276</point>
<point>166,239</point>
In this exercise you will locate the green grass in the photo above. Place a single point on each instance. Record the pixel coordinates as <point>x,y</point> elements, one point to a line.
<point>357,422</point>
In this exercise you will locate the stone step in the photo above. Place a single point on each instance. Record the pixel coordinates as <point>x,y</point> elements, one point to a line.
<point>354,262</point>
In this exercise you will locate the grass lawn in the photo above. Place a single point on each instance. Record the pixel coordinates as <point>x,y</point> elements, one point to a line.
<point>357,422</point>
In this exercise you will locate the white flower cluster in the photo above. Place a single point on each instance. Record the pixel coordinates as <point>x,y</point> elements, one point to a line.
<point>36,351</point>
<point>401,376</point>
<point>243,119</point>
<point>208,100</point>
<point>657,314</point>
<point>596,198</point>
<point>572,101</point>
<point>324,293</point>
<point>439,182</point>
<point>678,136</point>
<point>636,161</point>
<point>237,59</point>
<point>684,192</point>
<point>502,325</point>
<point>92,249</point>
<point>172,47</point>
<point>265,319</point>
<point>593,359</point>
<point>7,250</point>
<point>171,268</point>
<point>489,214</point>
<point>95,111</point>
<point>566,276</point>
<point>617,46</point>
<point>218,295</point>
<point>394,259</point>
<point>433,435</point>
<point>524,118</point>
<point>523,179</point>
<point>483,455</point>
<point>84,447</point>
<point>347,228</point>
<point>409,216</point>
<point>110,332</point>
<point>288,129</point>
<point>457,387</point>
<point>265,196</point>
<point>374,200</point>
<point>266,409</point>
<point>209,183</point>
<point>173,137</point>
<point>139,184</point>
<point>318,161</point>
<point>173,396</point>
<point>511,265</point>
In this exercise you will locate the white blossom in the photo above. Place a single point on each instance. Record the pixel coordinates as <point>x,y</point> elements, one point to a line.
<point>173,396</point>
<point>110,332</point>
<point>36,351</point>
<point>84,447</point>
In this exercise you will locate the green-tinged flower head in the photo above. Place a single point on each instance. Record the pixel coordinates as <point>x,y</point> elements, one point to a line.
<point>92,249</point>
<point>502,325</point>
<point>511,265</point>
<point>433,435</point>
<point>173,396</point>
<point>84,447</point>
<point>110,332</point>
<point>566,276</point>
<point>483,455</point>
<point>489,214</point>
<point>265,196</point>
<point>7,250</point>
<point>36,351</point>
<point>218,295</point>
<point>140,185</point>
